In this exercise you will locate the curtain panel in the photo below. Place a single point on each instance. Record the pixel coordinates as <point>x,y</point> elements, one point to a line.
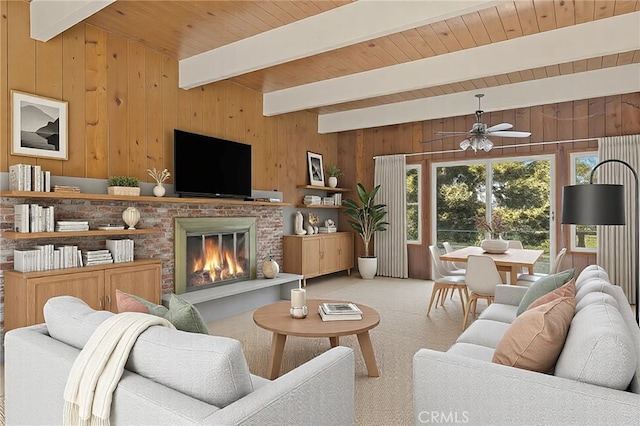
<point>616,244</point>
<point>391,245</point>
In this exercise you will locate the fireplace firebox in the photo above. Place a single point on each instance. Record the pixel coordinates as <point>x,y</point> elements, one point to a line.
<point>213,251</point>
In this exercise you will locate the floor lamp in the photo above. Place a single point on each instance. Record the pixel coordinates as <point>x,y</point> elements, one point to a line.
<point>601,204</point>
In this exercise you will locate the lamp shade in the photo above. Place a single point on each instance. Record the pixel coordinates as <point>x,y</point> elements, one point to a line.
<point>593,204</point>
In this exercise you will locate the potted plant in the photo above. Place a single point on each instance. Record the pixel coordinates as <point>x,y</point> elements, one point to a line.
<point>123,185</point>
<point>368,218</point>
<point>334,172</point>
<point>493,229</point>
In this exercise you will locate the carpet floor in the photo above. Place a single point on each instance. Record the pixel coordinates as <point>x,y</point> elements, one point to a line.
<point>404,329</point>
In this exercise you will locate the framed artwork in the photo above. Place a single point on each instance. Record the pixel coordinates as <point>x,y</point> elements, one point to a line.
<point>316,169</point>
<point>39,126</point>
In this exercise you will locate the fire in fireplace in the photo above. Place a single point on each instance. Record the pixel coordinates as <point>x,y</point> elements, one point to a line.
<point>216,257</point>
<point>212,251</point>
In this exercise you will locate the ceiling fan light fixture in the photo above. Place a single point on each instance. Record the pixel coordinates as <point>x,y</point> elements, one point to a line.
<point>488,145</point>
<point>465,144</point>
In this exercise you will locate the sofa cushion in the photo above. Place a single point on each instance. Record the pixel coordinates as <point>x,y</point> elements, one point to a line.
<point>469,350</point>
<point>499,312</point>
<point>543,286</point>
<point>209,368</point>
<point>596,297</point>
<point>599,348</point>
<point>566,290</point>
<point>182,314</point>
<point>484,332</point>
<point>594,285</point>
<point>591,271</point>
<point>126,302</point>
<point>535,339</point>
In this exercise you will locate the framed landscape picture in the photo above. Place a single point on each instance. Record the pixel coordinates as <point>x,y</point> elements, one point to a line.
<point>316,169</point>
<point>39,126</point>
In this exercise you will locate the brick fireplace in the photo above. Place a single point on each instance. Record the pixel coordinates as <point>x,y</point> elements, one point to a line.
<point>213,251</point>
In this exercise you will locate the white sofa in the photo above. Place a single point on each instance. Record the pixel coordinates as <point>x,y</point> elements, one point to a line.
<point>171,378</point>
<point>601,351</point>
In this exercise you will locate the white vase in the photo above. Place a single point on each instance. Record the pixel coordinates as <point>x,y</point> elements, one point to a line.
<point>270,268</point>
<point>159,190</point>
<point>333,181</point>
<point>131,216</point>
<point>367,266</point>
<point>496,246</point>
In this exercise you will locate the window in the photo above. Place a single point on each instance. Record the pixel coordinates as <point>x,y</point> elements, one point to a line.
<point>583,237</point>
<point>414,197</point>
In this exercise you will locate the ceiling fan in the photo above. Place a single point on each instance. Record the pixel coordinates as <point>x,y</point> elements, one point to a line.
<point>478,136</point>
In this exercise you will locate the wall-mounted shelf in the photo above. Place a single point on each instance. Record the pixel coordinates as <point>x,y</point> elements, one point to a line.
<point>317,206</point>
<point>142,198</point>
<point>66,234</point>
<point>323,188</point>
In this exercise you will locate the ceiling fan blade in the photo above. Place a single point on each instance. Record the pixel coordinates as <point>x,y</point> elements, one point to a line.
<point>501,126</point>
<point>509,134</point>
<point>452,133</point>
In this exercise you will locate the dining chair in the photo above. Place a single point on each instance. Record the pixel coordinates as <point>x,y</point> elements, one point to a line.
<point>443,282</point>
<point>527,279</point>
<point>481,280</point>
<point>517,244</point>
<point>457,267</point>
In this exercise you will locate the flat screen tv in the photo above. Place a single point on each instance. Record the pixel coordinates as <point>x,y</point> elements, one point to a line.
<point>205,166</point>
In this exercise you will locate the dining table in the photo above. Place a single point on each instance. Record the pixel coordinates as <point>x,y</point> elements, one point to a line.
<point>512,261</point>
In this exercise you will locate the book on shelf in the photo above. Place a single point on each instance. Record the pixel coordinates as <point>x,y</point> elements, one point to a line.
<point>121,250</point>
<point>338,317</point>
<point>72,225</point>
<point>21,218</point>
<point>110,227</point>
<point>27,177</point>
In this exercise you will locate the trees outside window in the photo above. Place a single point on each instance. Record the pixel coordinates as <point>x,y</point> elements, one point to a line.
<point>414,195</point>
<point>520,190</point>
<point>583,237</point>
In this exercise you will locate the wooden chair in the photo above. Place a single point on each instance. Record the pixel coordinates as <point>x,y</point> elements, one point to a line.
<point>481,279</point>
<point>443,282</point>
<point>456,268</point>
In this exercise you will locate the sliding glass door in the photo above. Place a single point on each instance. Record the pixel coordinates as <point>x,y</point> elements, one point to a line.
<point>516,191</point>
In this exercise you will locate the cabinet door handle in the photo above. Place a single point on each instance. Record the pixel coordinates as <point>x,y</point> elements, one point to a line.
<point>100,302</point>
<point>109,299</point>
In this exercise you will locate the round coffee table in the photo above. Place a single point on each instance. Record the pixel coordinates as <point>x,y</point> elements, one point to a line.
<point>276,318</point>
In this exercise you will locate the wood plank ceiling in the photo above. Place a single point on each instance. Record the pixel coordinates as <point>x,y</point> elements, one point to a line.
<point>182,29</point>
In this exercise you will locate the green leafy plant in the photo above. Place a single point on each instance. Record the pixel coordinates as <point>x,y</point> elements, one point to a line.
<point>367,216</point>
<point>334,171</point>
<point>123,181</point>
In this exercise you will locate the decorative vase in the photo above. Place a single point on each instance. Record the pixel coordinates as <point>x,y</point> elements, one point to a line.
<point>270,268</point>
<point>159,190</point>
<point>299,230</point>
<point>495,246</point>
<point>131,216</point>
<point>333,181</point>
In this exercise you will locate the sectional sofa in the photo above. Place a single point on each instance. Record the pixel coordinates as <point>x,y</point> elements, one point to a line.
<point>595,380</point>
<point>172,377</point>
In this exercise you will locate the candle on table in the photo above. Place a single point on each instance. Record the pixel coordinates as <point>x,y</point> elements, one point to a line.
<point>298,297</point>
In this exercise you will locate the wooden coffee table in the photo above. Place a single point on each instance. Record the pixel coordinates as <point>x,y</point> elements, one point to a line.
<point>276,318</point>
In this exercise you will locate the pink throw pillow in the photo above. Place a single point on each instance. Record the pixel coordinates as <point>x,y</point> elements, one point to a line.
<point>127,303</point>
<point>567,290</point>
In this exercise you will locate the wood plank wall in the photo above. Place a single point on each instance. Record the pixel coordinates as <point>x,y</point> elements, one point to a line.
<point>124,103</point>
<point>590,118</point>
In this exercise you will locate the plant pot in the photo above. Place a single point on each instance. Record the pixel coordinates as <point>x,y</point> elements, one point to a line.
<point>367,266</point>
<point>123,190</point>
<point>333,181</point>
<point>498,246</point>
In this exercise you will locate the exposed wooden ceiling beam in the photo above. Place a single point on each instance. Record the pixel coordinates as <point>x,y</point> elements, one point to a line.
<point>563,45</point>
<point>336,28</point>
<point>584,85</point>
<point>51,17</point>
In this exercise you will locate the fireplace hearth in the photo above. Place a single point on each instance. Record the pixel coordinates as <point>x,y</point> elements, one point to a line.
<point>213,251</point>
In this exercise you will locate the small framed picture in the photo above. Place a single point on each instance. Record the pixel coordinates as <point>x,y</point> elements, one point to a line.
<point>316,169</point>
<point>39,126</point>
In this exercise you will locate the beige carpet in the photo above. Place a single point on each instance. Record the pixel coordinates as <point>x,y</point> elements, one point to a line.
<point>403,329</point>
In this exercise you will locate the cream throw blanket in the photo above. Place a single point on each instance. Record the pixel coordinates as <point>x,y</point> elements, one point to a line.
<point>100,365</point>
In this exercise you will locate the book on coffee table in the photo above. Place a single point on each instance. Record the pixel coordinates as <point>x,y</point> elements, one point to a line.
<point>339,312</point>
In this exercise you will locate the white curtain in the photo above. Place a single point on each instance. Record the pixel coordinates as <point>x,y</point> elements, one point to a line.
<point>616,244</point>
<point>391,245</point>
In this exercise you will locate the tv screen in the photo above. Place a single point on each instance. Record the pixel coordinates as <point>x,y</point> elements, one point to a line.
<point>205,166</point>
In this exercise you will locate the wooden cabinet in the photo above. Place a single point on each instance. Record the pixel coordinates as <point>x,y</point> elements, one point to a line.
<point>318,254</point>
<point>26,293</point>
